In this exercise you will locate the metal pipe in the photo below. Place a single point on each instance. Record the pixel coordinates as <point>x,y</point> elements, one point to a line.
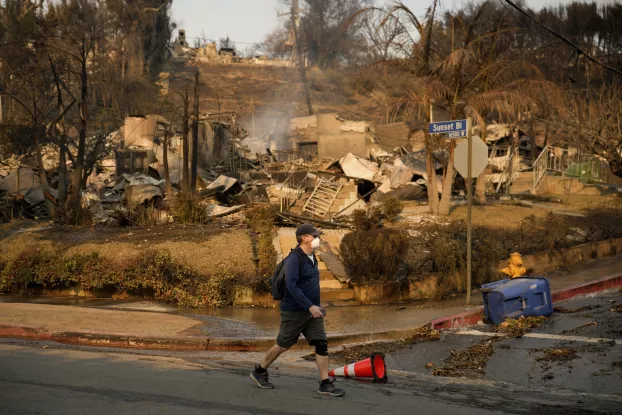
<point>321,222</point>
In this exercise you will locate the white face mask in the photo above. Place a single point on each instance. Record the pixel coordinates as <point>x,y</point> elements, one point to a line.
<point>315,244</point>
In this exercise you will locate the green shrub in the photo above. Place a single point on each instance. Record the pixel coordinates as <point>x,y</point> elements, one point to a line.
<point>219,290</point>
<point>262,217</point>
<point>262,222</point>
<point>391,208</point>
<point>371,217</point>
<point>152,274</point>
<point>374,256</point>
<point>440,249</point>
<point>187,209</point>
<point>366,219</point>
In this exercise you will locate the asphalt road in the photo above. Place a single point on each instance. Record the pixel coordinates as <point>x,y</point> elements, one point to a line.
<point>47,378</point>
<point>48,381</point>
<point>578,349</point>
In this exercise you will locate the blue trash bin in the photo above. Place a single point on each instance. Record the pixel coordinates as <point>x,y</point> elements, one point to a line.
<point>523,296</point>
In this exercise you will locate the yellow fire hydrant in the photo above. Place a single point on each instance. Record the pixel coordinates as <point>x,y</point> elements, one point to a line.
<point>515,266</point>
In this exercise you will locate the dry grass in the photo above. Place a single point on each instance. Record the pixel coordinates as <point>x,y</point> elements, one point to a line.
<point>510,214</point>
<point>204,251</point>
<point>497,215</point>
<point>277,92</point>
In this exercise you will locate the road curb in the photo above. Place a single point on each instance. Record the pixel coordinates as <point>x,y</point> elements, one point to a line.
<point>612,281</point>
<point>258,344</point>
<point>467,318</point>
<point>24,332</point>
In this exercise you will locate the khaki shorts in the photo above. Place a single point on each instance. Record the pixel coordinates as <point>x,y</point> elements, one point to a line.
<point>293,323</point>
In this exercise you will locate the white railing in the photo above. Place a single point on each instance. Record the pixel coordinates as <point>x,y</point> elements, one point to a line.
<point>292,188</point>
<point>570,163</point>
<point>540,167</point>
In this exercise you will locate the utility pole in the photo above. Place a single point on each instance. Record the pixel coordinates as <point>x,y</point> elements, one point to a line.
<point>297,50</point>
<point>295,13</point>
<point>469,208</point>
<point>195,135</point>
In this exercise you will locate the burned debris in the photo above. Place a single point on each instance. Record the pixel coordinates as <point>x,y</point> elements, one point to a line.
<point>316,168</point>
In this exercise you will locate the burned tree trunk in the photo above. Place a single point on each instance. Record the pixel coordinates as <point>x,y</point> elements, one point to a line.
<point>480,184</point>
<point>480,188</point>
<point>448,181</point>
<point>76,179</point>
<point>195,135</point>
<point>167,174</point>
<point>62,160</point>
<point>432,182</point>
<point>50,205</point>
<point>185,180</point>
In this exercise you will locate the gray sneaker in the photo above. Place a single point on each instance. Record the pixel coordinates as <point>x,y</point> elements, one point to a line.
<point>330,390</point>
<point>261,379</point>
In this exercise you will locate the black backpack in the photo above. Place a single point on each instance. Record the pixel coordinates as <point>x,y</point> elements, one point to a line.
<point>277,280</point>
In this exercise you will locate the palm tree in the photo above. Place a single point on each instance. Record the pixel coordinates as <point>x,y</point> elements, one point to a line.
<point>467,82</point>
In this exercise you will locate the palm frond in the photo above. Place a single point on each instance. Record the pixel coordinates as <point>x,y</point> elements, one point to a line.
<point>398,7</point>
<point>491,34</point>
<point>470,111</point>
<point>410,106</point>
<point>390,15</point>
<point>542,91</point>
<point>458,58</point>
<point>433,87</point>
<point>505,103</point>
<point>513,70</point>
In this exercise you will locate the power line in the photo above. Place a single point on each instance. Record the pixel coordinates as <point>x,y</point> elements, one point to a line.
<point>563,39</point>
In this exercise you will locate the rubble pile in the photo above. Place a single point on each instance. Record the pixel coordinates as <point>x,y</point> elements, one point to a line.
<point>321,170</point>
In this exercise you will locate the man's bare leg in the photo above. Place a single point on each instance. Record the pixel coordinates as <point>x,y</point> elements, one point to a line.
<point>274,354</point>
<point>322,364</point>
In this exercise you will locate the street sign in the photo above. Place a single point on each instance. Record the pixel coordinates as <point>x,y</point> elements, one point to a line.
<point>479,157</point>
<point>453,129</point>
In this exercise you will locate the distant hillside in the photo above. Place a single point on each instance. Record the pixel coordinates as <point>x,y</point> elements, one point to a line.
<point>275,92</point>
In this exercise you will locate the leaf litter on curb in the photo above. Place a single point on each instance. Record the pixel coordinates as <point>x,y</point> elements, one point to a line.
<point>354,353</point>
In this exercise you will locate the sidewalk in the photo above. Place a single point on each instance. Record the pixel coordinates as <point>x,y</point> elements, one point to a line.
<point>244,329</point>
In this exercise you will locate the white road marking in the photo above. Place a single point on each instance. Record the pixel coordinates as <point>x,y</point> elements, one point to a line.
<point>543,336</point>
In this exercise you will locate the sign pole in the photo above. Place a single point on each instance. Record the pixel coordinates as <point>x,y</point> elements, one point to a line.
<point>469,205</point>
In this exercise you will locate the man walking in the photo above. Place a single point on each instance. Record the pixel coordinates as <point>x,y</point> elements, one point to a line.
<point>301,312</point>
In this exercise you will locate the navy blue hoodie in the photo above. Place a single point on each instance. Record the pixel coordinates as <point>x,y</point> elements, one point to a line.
<point>302,282</point>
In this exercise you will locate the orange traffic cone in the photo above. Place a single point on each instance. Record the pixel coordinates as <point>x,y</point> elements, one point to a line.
<point>372,367</point>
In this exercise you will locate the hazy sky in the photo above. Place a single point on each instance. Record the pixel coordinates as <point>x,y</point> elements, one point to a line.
<point>250,20</point>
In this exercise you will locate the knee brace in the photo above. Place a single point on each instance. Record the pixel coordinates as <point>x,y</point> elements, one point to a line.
<point>321,348</point>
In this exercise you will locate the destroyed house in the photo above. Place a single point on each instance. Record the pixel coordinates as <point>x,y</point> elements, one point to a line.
<point>329,136</point>
<point>227,52</point>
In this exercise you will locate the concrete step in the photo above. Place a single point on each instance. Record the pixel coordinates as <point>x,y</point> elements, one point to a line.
<point>326,275</point>
<point>347,303</point>
<point>342,294</point>
<point>333,284</point>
